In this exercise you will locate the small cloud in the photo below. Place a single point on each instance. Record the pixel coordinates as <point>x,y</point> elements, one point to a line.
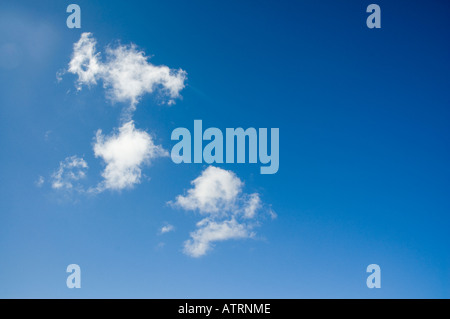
<point>59,75</point>
<point>166,229</point>
<point>253,204</point>
<point>40,181</point>
<point>70,170</point>
<point>272,214</point>
<point>125,152</point>
<point>230,213</point>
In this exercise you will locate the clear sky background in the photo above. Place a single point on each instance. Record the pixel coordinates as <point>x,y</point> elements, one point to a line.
<point>364,150</point>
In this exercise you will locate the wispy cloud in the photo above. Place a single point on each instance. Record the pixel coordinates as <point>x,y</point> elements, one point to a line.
<point>126,72</point>
<point>230,213</point>
<point>71,170</point>
<point>125,152</point>
<point>166,229</point>
<point>253,204</point>
<point>40,181</point>
<point>210,231</point>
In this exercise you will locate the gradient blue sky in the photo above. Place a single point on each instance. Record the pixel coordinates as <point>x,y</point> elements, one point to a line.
<point>364,135</point>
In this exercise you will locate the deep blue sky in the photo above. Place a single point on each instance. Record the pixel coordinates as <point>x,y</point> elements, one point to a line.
<point>364,135</point>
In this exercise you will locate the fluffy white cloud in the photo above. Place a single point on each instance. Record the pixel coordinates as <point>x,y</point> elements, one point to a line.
<point>126,72</point>
<point>231,213</point>
<point>214,191</point>
<point>125,152</point>
<point>70,170</point>
<point>167,229</point>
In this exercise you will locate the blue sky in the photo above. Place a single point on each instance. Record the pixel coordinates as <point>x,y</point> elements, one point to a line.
<point>364,177</point>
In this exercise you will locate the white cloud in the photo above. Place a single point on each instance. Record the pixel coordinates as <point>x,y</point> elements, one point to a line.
<point>211,231</point>
<point>214,191</point>
<point>125,152</point>
<point>272,214</point>
<point>231,213</point>
<point>167,229</point>
<point>254,203</point>
<point>70,170</point>
<point>126,73</point>
<point>85,60</point>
